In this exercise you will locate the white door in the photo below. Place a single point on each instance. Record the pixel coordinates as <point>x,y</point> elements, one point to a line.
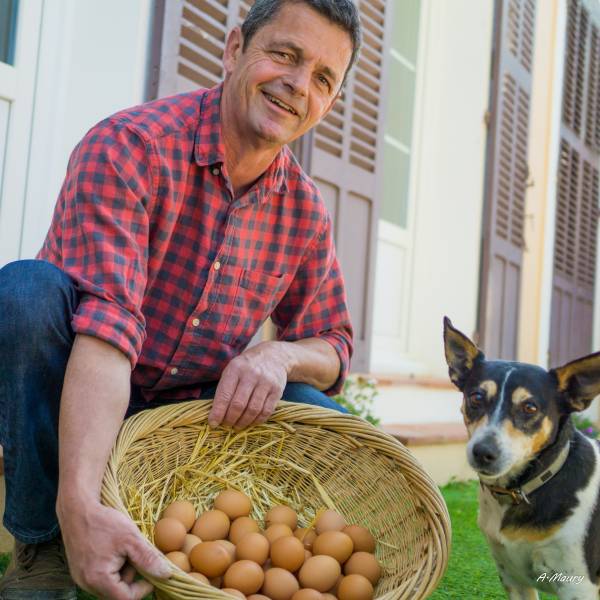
<point>19,30</point>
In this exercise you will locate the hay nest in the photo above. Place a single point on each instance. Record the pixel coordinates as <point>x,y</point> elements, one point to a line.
<point>307,457</point>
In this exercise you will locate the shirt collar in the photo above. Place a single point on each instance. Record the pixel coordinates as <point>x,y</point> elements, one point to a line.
<point>209,148</point>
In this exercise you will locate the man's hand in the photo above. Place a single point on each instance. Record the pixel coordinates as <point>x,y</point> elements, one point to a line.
<point>251,385</point>
<point>104,548</point>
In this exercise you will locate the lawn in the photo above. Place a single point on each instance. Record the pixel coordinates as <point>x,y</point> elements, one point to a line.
<point>471,573</point>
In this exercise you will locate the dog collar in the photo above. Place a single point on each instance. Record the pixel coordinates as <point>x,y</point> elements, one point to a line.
<point>520,494</point>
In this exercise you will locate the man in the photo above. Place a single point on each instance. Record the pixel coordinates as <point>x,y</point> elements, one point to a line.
<point>181,226</point>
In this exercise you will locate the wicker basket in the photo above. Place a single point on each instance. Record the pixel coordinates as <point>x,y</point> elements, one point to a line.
<point>307,457</point>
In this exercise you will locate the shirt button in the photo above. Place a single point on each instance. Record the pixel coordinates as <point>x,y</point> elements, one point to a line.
<point>174,371</point>
<point>215,170</point>
<point>217,265</point>
<point>196,322</point>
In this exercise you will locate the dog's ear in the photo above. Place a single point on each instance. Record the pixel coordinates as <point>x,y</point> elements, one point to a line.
<point>579,381</point>
<point>461,354</point>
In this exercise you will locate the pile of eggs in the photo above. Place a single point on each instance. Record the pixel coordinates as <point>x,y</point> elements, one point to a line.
<point>226,548</point>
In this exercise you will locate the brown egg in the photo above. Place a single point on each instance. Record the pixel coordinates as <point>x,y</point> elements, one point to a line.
<point>363,563</point>
<point>336,585</point>
<point>361,537</point>
<point>319,572</point>
<point>307,555</point>
<point>334,543</point>
<point>240,527</point>
<point>329,520</point>
<point>244,575</point>
<point>279,584</point>
<point>233,592</point>
<point>306,536</point>
<point>355,587</point>
<point>211,525</point>
<point>169,534</point>
<point>276,531</point>
<point>281,514</point>
<point>183,511</point>
<point>253,546</point>
<point>307,594</point>
<point>328,596</point>
<point>258,597</point>
<point>200,577</point>
<point>287,552</point>
<point>229,547</point>
<point>233,503</point>
<point>189,542</point>
<point>180,559</point>
<point>210,559</point>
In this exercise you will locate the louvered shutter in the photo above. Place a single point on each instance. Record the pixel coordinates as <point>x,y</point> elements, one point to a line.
<point>577,191</point>
<point>506,177</point>
<point>341,154</point>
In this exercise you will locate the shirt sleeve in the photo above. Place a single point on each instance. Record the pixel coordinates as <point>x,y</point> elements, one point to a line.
<point>99,234</point>
<point>315,304</point>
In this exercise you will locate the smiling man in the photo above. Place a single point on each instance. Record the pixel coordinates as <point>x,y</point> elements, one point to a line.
<point>181,226</point>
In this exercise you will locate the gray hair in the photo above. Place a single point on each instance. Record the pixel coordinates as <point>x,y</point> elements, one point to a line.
<point>342,13</point>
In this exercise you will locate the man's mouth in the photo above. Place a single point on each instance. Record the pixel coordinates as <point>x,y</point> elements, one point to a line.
<point>279,103</point>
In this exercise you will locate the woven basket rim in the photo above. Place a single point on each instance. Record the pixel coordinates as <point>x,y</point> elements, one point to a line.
<point>354,429</point>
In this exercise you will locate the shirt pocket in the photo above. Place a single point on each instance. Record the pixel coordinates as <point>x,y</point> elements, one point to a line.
<point>256,297</point>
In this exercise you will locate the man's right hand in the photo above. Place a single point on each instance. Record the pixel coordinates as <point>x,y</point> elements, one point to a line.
<point>104,549</point>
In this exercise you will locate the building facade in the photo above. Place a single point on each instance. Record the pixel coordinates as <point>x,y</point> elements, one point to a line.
<point>460,167</point>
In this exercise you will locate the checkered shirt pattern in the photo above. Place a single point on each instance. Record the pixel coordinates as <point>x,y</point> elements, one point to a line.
<point>172,269</point>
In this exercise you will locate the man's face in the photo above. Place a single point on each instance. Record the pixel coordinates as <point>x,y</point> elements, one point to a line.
<point>289,76</point>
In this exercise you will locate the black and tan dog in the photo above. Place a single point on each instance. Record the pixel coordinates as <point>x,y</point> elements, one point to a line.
<point>540,477</point>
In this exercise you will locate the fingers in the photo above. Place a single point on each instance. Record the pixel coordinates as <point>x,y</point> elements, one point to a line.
<point>254,407</point>
<point>223,396</point>
<point>129,591</point>
<point>239,402</point>
<point>267,408</point>
<point>145,557</point>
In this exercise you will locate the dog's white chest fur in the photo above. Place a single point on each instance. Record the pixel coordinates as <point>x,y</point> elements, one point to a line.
<point>523,563</point>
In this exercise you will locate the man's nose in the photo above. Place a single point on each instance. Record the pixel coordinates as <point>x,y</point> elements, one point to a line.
<point>298,81</point>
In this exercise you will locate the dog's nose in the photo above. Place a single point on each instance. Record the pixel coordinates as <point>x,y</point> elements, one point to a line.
<point>485,452</point>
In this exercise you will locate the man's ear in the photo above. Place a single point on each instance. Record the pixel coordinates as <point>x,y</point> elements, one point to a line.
<point>233,48</point>
<point>579,381</point>
<point>461,354</point>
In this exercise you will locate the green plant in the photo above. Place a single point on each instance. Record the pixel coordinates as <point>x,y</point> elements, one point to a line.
<point>358,396</point>
<point>586,426</point>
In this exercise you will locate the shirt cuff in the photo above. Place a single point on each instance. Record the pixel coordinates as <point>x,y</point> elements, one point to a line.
<point>111,323</point>
<point>342,347</point>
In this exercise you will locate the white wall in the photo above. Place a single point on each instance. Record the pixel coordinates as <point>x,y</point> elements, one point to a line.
<point>446,179</point>
<point>92,62</point>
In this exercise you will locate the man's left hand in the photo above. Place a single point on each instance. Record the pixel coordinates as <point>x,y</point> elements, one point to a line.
<point>250,386</point>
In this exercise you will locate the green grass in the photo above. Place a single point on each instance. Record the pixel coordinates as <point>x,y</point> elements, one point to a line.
<point>471,573</point>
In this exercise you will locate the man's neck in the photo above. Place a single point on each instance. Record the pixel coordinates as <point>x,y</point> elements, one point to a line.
<point>245,162</point>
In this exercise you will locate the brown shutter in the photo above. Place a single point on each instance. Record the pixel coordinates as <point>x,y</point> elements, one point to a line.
<point>577,192</point>
<point>506,177</point>
<point>346,166</point>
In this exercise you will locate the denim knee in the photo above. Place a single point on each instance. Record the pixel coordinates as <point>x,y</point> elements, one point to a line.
<point>34,295</point>
<point>307,394</point>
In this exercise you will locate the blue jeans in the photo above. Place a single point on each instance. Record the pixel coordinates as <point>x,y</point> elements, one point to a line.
<point>37,302</point>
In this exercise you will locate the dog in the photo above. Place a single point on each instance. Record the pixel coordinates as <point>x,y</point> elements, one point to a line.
<point>539,476</point>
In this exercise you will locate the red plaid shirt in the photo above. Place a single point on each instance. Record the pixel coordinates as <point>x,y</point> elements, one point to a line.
<point>175,272</point>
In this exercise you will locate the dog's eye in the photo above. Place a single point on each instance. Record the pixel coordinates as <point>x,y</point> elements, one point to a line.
<point>529,407</point>
<point>476,398</point>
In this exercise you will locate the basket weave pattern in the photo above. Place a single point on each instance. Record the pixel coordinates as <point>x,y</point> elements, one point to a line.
<point>306,457</point>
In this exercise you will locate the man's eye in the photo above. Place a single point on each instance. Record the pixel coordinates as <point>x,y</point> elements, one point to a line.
<point>324,80</point>
<point>283,55</point>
